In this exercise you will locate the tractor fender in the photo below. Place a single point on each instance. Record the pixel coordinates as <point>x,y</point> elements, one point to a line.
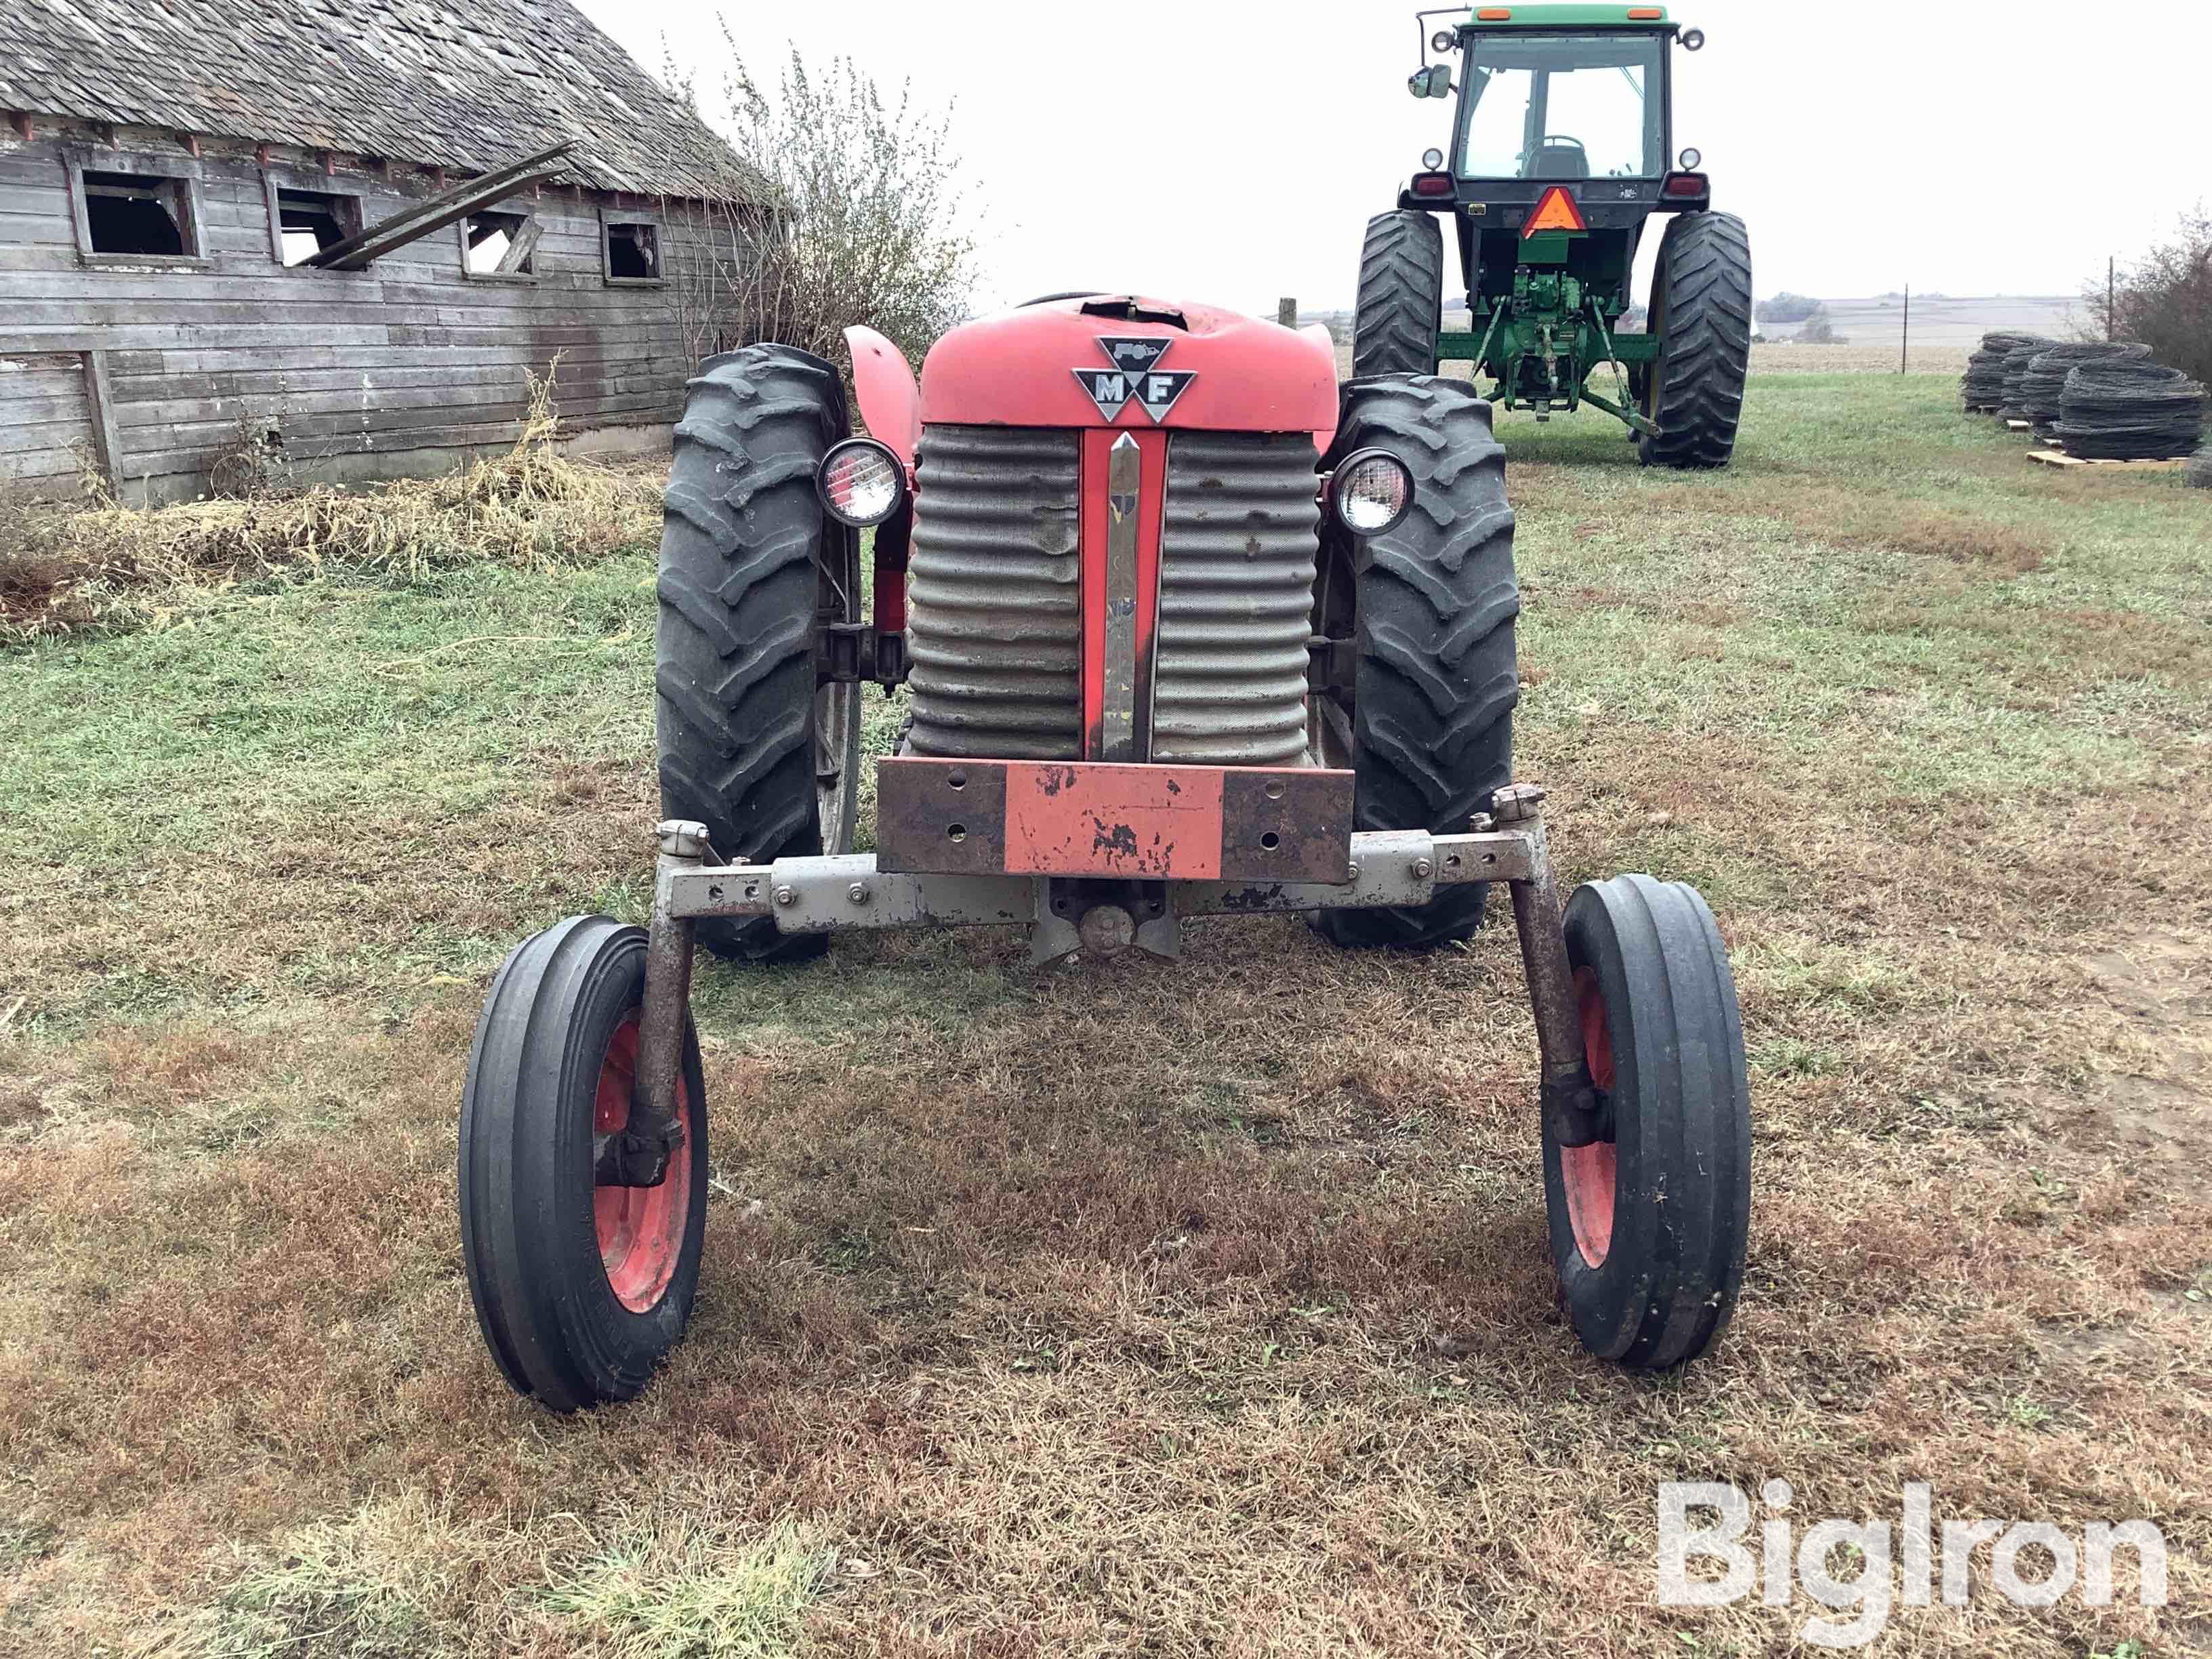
<point>891,402</point>
<point>1319,334</point>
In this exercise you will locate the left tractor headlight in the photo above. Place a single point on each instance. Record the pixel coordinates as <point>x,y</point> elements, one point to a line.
<point>861,482</point>
<point>1371,492</point>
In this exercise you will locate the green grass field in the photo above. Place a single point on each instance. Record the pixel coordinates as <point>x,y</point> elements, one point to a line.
<point>1201,1309</point>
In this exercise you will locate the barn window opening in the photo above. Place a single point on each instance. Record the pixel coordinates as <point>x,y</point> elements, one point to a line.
<point>309,221</point>
<point>500,244</point>
<point>137,213</point>
<point>633,252</point>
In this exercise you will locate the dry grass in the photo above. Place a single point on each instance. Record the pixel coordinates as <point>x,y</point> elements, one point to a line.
<point>105,565</point>
<point>1191,1310</point>
<point>1783,358</point>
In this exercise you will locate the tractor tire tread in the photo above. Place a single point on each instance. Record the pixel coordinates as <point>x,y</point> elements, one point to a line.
<point>1703,292</point>
<point>1402,295</point>
<point>738,593</point>
<point>1433,718</point>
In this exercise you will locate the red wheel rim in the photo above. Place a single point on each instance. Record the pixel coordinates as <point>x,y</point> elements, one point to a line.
<point>1588,1172</point>
<point>640,1229</point>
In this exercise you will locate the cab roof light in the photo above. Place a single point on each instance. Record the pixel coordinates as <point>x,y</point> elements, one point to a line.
<point>1556,209</point>
<point>1494,15</point>
<point>1647,14</point>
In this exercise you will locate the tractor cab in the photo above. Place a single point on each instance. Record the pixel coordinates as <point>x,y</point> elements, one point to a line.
<point>1561,151</point>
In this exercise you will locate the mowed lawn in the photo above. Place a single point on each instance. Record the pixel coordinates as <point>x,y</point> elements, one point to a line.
<point>1201,1309</point>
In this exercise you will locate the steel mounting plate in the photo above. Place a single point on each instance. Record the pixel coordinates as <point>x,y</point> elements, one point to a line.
<point>1108,820</point>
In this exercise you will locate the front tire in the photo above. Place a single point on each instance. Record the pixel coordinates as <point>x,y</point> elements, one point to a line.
<point>580,1291</point>
<point>1701,309</point>
<point>752,572</point>
<point>1649,1227</point>
<point>1401,297</point>
<point>1428,730</point>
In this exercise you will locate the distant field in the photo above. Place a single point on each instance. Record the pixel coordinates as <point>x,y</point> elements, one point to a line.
<point>1944,332</point>
<point>1203,1309</point>
<point>1946,322</point>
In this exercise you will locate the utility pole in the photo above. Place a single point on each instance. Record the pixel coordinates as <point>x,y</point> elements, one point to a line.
<point>1905,346</point>
<point>1286,312</point>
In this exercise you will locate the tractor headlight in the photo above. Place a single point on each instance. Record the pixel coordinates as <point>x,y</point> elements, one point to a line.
<point>1691,157</point>
<point>1431,159</point>
<point>1443,40</point>
<point>861,482</point>
<point>1372,492</point>
<point>1693,39</point>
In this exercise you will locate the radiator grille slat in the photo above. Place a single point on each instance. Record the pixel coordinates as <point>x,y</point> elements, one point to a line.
<point>994,621</point>
<point>1236,573</point>
<point>994,625</point>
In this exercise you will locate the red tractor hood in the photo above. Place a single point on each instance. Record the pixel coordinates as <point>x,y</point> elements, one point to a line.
<point>1116,359</point>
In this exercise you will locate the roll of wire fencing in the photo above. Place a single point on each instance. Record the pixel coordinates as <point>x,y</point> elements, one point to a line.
<point>2197,475</point>
<point>2043,388</point>
<point>2015,370</point>
<point>2130,410</point>
<point>1982,389</point>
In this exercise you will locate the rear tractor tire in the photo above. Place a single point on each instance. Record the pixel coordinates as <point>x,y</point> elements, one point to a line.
<point>1701,307</point>
<point>580,1291</point>
<point>752,571</point>
<point>1649,1226</point>
<point>1401,297</point>
<point>1428,731</point>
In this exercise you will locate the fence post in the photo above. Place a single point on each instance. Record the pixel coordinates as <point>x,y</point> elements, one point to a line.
<point>1905,346</point>
<point>1286,312</point>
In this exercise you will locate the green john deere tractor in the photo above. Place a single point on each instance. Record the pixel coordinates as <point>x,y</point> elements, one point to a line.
<point>1562,149</point>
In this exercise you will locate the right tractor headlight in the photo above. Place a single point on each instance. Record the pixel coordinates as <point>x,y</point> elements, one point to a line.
<point>1371,492</point>
<point>861,482</point>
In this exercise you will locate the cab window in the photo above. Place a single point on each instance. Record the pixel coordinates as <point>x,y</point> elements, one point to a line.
<point>1564,106</point>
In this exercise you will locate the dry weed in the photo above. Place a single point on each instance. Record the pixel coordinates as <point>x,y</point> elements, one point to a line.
<point>111,566</point>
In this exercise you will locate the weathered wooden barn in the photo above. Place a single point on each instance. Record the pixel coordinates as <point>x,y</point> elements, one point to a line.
<point>231,224</point>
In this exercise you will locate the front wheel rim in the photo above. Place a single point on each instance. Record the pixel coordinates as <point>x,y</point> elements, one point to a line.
<point>1590,1173</point>
<point>640,1229</point>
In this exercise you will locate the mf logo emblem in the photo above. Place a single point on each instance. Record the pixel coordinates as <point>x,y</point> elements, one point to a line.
<point>1135,378</point>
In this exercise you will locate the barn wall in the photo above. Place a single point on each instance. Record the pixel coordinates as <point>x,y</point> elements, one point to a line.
<point>403,367</point>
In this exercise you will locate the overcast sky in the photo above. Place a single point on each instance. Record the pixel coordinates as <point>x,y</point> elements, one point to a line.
<point>1233,152</point>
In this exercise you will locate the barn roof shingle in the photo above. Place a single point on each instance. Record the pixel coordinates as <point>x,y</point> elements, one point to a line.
<point>464,84</point>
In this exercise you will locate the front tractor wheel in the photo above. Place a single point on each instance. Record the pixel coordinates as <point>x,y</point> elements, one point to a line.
<point>580,1289</point>
<point>1701,310</point>
<point>1401,297</point>
<point>1649,1223</point>
<point>1426,723</point>
<point>753,573</point>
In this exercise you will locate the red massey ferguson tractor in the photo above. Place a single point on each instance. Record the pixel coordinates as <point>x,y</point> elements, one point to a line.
<point>1187,629</point>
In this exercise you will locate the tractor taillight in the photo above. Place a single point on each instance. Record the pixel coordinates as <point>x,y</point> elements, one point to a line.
<point>1432,184</point>
<point>1686,186</point>
<point>861,482</point>
<point>1371,492</point>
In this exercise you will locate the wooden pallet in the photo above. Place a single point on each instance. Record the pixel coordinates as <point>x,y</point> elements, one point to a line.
<point>2060,458</point>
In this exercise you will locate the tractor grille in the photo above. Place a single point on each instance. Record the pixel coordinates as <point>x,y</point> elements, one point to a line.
<point>995,626</point>
<point>1236,575</point>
